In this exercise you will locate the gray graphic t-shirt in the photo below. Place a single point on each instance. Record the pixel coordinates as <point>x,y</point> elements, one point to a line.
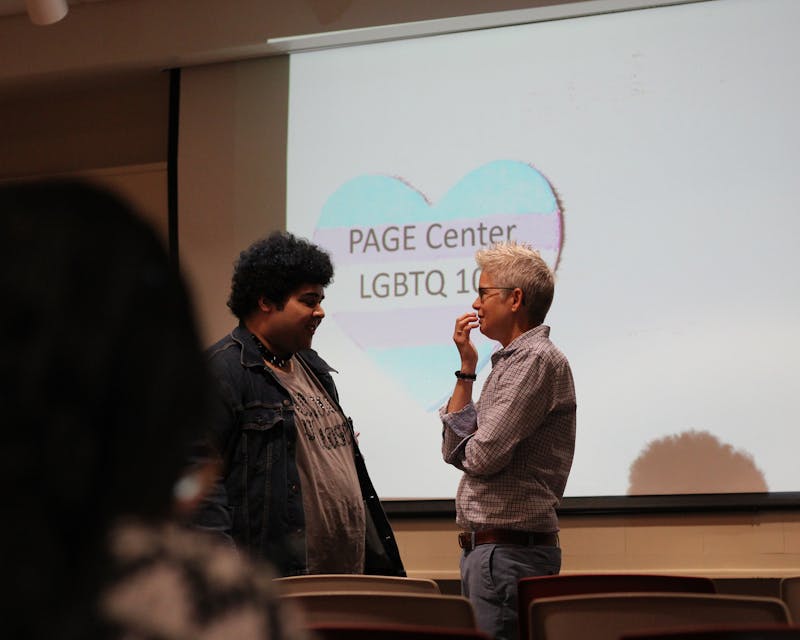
<point>332,502</point>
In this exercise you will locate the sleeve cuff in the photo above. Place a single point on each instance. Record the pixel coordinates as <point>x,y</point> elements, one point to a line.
<point>462,422</point>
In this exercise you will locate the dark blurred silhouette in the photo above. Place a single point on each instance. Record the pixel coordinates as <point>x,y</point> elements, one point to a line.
<point>103,387</point>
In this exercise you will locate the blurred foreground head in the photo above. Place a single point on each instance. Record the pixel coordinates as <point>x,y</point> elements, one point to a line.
<point>101,378</point>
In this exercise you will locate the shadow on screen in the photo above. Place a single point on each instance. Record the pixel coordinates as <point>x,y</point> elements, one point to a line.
<point>694,462</point>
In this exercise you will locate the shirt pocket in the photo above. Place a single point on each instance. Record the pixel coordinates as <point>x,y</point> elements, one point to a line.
<point>261,417</point>
<point>261,437</point>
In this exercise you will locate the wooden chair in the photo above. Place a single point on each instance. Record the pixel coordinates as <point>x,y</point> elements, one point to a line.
<point>609,616</point>
<point>392,632</point>
<point>354,582</point>
<point>747,632</point>
<point>532,588</point>
<point>790,594</point>
<point>371,607</point>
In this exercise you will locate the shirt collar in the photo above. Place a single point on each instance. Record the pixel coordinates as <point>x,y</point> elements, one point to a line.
<point>536,334</point>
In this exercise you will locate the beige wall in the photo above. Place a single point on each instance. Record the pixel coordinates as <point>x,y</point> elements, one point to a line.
<point>110,130</point>
<point>231,176</point>
<point>734,545</point>
<point>92,123</point>
<point>144,186</point>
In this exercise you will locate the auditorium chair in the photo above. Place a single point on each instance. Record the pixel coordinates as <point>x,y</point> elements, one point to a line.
<point>373,607</point>
<point>531,588</point>
<point>387,631</point>
<point>726,632</point>
<point>354,582</point>
<point>609,616</point>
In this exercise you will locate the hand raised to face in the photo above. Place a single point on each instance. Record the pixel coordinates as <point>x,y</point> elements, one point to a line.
<point>466,349</point>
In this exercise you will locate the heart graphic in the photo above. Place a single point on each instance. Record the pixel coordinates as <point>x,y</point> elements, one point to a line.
<point>405,267</point>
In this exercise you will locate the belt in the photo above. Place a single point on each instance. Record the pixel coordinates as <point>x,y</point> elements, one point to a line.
<point>468,540</point>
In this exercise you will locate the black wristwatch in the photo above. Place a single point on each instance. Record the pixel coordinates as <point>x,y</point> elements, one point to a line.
<point>465,376</point>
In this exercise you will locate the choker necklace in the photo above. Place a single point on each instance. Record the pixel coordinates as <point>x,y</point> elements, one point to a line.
<point>269,356</point>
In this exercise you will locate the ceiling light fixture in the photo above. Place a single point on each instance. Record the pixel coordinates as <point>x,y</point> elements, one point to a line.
<point>42,12</point>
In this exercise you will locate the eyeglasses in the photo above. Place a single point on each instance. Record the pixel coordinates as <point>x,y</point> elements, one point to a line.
<point>482,291</point>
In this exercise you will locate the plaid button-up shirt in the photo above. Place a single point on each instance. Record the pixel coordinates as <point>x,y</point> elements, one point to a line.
<point>515,444</point>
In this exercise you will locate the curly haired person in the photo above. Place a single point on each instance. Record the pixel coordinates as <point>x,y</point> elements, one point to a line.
<point>294,488</point>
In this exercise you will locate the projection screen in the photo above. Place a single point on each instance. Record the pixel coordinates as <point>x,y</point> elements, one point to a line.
<point>650,155</point>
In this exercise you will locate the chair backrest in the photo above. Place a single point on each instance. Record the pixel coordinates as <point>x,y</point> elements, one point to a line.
<point>790,594</point>
<point>532,588</point>
<point>609,616</point>
<point>354,582</point>
<point>355,631</point>
<point>384,607</point>
<point>745,632</point>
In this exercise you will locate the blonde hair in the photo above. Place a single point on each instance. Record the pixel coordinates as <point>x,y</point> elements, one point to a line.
<point>512,264</point>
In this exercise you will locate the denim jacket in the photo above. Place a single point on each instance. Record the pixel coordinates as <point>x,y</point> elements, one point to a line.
<point>258,502</point>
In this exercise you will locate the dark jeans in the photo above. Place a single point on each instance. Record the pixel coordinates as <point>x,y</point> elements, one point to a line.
<point>489,575</point>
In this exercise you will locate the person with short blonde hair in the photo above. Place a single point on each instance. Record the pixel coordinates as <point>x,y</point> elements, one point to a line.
<point>515,263</point>
<point>515,443</point>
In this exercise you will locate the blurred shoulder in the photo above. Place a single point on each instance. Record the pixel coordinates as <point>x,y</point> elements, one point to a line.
<point>169,582</point>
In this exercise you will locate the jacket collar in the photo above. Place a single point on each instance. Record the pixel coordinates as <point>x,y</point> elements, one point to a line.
<point>252,358</point>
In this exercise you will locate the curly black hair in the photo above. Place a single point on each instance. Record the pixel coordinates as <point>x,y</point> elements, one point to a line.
<point>273,267</point>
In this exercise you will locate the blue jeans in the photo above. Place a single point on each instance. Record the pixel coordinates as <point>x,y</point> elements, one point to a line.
<point>489,575</point>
